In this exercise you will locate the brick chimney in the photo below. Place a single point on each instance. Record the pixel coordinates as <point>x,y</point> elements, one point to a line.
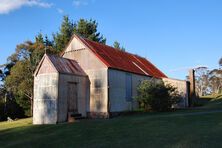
<point>192,86</point>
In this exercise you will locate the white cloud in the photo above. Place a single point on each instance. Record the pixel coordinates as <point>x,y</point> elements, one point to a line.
<point>7,6</point>
<point>39,3</point>
<point>78,3</point>
<point>61,11</point>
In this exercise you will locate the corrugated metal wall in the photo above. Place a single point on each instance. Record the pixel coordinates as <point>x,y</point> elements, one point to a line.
<point>97,73</point>
<point>118,90</point>
<point>51,91</point>
<point>45,98</point>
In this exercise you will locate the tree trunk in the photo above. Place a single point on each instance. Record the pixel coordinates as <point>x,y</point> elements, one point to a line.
<point>31,112</point>
<point>31,103</point>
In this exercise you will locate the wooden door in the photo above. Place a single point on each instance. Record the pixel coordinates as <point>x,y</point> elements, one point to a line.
<point>72,97</point>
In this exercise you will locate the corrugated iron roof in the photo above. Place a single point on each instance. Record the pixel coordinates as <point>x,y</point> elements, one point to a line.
<point>117,59</point>
<point>66,66</point>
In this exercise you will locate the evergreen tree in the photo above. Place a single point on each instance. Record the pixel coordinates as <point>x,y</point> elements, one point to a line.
<point>84,28</point>
<point>1,74</point>
<point>20,83</point>
<point>39,38</point>
<point>88,29</point>
<point>117,46</point>
<point>62,38</point>
<point>47,42</point>
<point>20,80</point>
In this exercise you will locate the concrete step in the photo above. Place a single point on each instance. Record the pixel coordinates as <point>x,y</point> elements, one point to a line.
<point>79,118</point>
<point>76,115</point>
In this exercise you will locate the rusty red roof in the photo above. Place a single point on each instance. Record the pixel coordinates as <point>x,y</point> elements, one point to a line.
<point>121,60</point>
<point>66,66</point>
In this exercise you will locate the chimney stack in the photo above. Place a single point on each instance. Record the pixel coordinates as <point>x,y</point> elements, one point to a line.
<point>192,86</point>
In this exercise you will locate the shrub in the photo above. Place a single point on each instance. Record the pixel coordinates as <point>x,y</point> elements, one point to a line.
<point>10,109</point>
<point>154,95</point>
<point>2,115</point>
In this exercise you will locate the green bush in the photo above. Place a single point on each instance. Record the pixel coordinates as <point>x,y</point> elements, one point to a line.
<point>155,95</point>
<point>2,115</point>
<point>10,109</point>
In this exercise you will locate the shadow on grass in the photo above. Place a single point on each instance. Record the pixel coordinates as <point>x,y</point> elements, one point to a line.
<point>137,130</point>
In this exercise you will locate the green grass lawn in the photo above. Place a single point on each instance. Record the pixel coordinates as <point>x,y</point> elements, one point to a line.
<point>139,130</point>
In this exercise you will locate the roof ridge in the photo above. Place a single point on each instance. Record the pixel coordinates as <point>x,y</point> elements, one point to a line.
<point>110,47</point>
<point>53,55</point>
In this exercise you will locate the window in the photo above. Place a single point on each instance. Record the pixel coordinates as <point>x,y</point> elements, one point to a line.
<point>128,87</point>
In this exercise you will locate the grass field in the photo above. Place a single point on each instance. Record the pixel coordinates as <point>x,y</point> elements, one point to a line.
<point>182,129</point>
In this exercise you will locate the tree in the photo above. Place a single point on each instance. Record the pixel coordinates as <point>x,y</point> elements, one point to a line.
<point>156,96</point>
<point>215,79</point>
<point>1,74</point>
<point>208,81</point>
<point>117,46</point>
<point>65,33</point>
<point>202,81</point>
<point>5,68</point>
<point>84,28</point>
<point>20,82</point>
<point>20,79</point>
<point>88,29</point>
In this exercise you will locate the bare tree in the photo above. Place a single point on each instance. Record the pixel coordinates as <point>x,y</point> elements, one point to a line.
<point>202,80</point>
<point>215,79</point>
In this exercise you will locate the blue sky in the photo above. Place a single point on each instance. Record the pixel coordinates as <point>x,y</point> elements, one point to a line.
<point>175,35</point>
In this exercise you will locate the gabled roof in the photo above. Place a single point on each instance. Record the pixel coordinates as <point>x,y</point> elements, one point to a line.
<point>121,60</point>
<point>62,65</point>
